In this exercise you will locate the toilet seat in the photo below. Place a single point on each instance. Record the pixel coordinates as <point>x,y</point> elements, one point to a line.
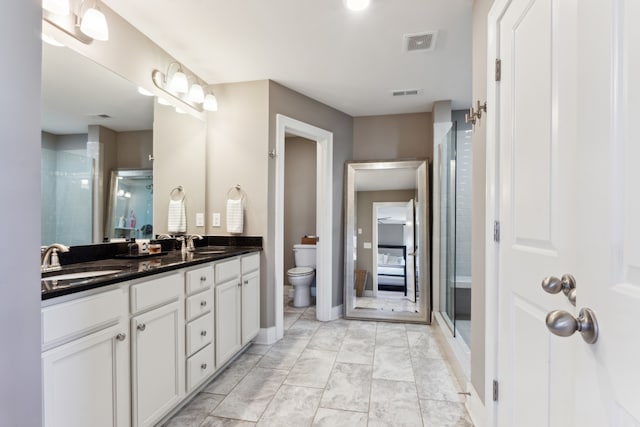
<point>300,271</point>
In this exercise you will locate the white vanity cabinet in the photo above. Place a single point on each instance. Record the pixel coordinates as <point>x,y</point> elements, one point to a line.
<point>250,296</point>
<point>199,353</point>
<point>85,361</point>
<point>157,347</point>
<point>228,296</point>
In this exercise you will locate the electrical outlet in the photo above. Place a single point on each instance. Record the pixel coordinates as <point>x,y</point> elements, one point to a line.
<point>215,219</point>
<point>359,230</point>
<point>199,220</point>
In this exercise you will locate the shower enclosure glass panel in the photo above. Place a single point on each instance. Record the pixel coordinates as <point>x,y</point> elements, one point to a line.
<point>66,186</point>
<point>448,227</point>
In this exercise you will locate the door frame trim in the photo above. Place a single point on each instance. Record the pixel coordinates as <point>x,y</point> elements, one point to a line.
<point>324,220</point>
<point>492,198</point>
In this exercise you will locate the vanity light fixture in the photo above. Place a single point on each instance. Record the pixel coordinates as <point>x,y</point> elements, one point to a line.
<point>357,5</point>
<point>197,96</point>
<point>88,23</point>
<point>51,41</point>
<point>210,102</point>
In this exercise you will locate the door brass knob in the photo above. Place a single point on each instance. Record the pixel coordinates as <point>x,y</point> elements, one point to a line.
<point>563,324</point>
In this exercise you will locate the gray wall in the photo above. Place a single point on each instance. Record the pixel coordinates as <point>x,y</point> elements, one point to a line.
<point>292,104</point>
<point>299,194</point>
<point>364,221</point>
<point>479,90</point>
<point>390,234</point>
<point>134,149</point>
<point>20,390</point>
<point>396,136</point>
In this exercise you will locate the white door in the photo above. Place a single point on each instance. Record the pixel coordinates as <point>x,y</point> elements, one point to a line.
<point>564,201</point>
<point>410,247</point>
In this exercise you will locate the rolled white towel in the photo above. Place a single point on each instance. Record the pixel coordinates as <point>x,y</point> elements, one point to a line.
<point>234,216</point>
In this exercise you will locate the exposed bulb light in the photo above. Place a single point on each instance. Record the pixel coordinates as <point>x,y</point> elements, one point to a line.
<point>94,24</point>
<point>163,101</point>
<point>179,83</point>
<point>143,91</point>
<point>51,41</point>
<point>210,102</point>
<point>196,94</point>
<point>59,7</point>
<point>357,5</point>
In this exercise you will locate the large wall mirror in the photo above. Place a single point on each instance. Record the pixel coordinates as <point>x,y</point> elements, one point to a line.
<point>93,122</point>
<point>387,244</point>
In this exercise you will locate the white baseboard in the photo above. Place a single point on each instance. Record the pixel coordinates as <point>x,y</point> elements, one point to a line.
<point>475,407</point>
<point>336,312</point>
<point>266,336</point>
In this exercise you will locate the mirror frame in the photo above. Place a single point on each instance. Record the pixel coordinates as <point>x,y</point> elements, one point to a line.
<point>422,241</point>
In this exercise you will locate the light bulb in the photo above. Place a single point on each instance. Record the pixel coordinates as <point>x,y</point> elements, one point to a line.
<point>179,83</point>
<point>196,94</point>
<point>357,4</point>
<point>60,7</point>
<point>94,24</point>
<point>210,102</point>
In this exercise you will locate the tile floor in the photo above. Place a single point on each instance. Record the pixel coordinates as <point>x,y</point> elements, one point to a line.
<point>340,373</point>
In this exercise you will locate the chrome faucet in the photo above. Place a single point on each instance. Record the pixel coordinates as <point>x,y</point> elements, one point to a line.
<point>49,257</point>
<point>189,239</point>
<point>164,236</point>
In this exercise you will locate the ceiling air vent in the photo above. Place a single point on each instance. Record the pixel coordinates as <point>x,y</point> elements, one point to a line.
<point>406,92</point>
<point>422,42</point>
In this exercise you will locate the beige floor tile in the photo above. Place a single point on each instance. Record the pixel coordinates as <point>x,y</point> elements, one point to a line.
<point>444,414</point>
<point>337,418</point>
<point>348,388</point>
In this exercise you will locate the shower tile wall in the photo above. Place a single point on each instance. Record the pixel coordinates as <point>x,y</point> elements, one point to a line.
<point>463,196</point>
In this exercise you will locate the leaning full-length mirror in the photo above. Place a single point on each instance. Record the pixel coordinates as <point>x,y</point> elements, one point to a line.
<point>387,243</point>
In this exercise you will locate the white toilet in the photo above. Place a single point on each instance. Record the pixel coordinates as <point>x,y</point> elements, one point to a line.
<point>303,274</point>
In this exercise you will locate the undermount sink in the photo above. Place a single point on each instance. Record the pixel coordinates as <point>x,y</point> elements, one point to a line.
<point>81,274</point>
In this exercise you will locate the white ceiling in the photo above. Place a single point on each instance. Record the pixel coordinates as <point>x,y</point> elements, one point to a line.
<point>348,60</point>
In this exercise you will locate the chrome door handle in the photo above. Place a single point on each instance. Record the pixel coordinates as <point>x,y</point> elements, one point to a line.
<point>563,324</point>
<point>566,284</point>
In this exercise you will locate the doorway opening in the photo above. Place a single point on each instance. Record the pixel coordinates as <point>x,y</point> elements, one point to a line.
<point>286,126</point>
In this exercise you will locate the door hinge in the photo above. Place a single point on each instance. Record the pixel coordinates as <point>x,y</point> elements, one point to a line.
<point>495,390</point>
<point>496,231</point>
<point>498,69</point>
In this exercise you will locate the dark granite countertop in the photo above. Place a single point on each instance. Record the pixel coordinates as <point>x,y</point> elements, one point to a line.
<point>134,268</point>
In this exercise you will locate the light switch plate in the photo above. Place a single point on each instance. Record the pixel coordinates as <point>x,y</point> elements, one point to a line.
<point>359,230</point>
<point>366,245</point>
<point>215,220</point>
<point>199,219</point>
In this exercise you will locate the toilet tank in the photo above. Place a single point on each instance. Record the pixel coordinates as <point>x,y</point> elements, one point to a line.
<point>305,255</point>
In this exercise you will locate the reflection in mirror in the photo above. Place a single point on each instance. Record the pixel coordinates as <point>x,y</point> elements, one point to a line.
<point>386,270</point>
<point>93,121</point>
<point>130,205</point>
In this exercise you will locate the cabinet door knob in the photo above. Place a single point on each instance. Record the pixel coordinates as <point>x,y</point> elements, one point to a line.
<point>203,278</point>
<point>203,366</point>
<point>203,304</point>
<point>142,327</point>
<point>203,333</point>
<point>246,282</point>
<point>121,336</point>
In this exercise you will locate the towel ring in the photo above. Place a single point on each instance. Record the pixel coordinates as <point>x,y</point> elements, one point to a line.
<point>175,191</point>
<point>238,190</point>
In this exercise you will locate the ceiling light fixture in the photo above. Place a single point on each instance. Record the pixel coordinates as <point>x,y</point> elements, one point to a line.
<point>357,5</point>
<point>175,82</point>
<point>86,24</point>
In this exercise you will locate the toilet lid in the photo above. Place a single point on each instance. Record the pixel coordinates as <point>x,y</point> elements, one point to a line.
<point>300,271</point>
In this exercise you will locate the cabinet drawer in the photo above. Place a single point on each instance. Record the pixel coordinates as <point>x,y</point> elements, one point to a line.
<point>156,292</point>
<point>199,304</point>
<point>63,320</point>
<point>250,263</point>
<point>227,270</point>
<point>199,279</point>
<point>199,333</point>
<point>199,367</point>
